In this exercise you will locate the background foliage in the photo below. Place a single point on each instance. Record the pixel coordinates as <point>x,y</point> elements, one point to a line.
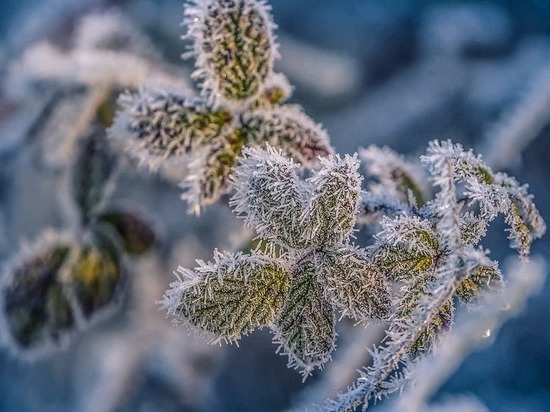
<point>397,74</point>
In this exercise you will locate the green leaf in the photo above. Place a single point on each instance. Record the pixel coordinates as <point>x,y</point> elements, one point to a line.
<point>481,279</point>
<point>286,127</point>
<point>431,333</point>
<point>400,263</point>
<point>232,296</point>
<point>96,277</point>
<point>332,208</point>
<point>208,176</point>
<point>135,234</point>
<point>355,285</point>
<point>234,47</point>
<point>35,306</point>
<point>305,326</point>
<point>270,197</point>
<point>92,170</point>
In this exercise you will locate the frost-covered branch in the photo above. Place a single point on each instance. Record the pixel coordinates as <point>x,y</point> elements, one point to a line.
<point>432,253</point>
<point>472,330</point>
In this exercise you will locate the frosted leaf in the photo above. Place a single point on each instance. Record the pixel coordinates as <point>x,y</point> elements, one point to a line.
<point>288,128</point>
<point>494,193</point>
<point>373,207</point>
<point>472,229</point>
<point>407,247</point>
<point>464,164</point>
<point>35,307</point>
<point>230,296</point>
<point>523,217</point>
<point>430,252</point>
<point>387,171</point>
<point>481,279</point>
<point>305,326</point>
<point>333,205</point>
<point>355,285</point>
<point>208,173</point>
<point>270,197</point>
<point>400,263</point>
<point>431,333</point>
<point>413,232</point>
<point>96,277</point>
<point>234,46</point>
<point>156,125</point>
<point>93,168</point>
<point>314,239</point>
<point>274,201</point>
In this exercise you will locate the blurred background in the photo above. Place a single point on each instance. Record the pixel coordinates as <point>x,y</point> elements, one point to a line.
<point>397,73</point>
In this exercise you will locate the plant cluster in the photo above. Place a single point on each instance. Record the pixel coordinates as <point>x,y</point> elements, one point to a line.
<point>304,203</point>
<point>306,266</point>
<point>306,269</point>
<point>65,280</point>
<point>240,104</point>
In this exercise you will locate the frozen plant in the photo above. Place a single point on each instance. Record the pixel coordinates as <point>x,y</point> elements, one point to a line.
<point>306,268</point>
<point>239,135</point>
<point>433,252</point>
<point>241,103</point>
